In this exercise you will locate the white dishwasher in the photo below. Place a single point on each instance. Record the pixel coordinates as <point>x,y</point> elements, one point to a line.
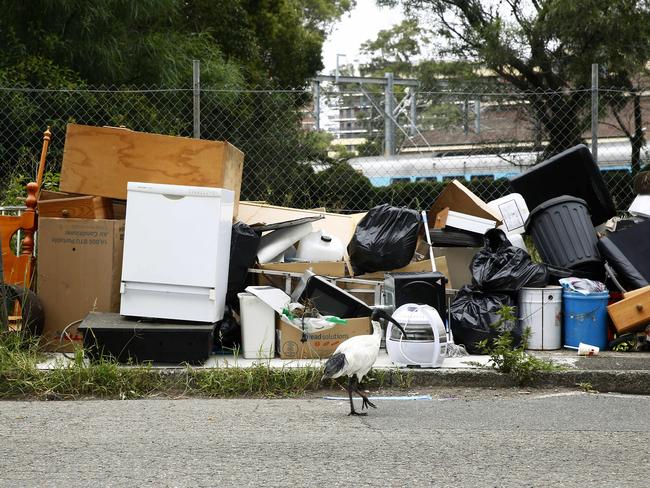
<point>176,252</point>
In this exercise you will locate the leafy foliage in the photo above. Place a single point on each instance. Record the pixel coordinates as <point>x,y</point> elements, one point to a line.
<point>510,359</point>
<point>545,49</point>
<point>64,45</point>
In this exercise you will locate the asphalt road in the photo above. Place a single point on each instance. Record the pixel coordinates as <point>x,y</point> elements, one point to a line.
<point>476,438</point>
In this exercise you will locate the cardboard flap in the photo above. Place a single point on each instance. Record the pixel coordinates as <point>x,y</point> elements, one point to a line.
<point>459,199</point>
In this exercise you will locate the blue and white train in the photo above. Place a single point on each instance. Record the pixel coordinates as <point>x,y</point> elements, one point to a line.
<point>613,155</point>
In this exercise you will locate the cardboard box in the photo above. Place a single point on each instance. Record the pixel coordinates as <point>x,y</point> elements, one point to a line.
<point>459,199</point>
<point>320,345</point>
<point>100,161</point>
<point>79,266</point>
<point>458,261</point>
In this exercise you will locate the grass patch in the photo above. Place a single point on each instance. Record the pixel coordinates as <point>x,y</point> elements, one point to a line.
<point>79,378</point>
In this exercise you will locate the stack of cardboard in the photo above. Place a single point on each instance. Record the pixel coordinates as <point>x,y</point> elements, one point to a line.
<point>81,228</point>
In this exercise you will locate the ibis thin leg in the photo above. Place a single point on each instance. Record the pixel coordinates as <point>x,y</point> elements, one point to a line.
<point>351,387</point>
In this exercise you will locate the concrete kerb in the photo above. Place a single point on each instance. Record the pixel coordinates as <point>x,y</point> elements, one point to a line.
<point>630,382</point>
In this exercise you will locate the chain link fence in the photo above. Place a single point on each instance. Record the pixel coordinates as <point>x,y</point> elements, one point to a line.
<point>329,151</point>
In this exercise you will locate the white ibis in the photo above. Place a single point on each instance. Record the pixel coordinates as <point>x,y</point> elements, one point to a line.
<point>355,356</point>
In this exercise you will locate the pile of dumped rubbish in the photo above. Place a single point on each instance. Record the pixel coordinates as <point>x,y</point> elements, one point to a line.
<point>188,270</point>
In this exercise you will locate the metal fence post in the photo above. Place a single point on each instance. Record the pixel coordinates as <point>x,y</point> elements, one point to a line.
<point>316,88</point>
<point>594,111</point>
<point>196,97</point>
<point>477,115</point>
<point>389,127</point>
<point>414,111</point>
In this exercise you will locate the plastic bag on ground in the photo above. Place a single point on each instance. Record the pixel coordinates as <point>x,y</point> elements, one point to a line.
<point>502,267</point>
<point>384,239</point>
<point>473,312</point>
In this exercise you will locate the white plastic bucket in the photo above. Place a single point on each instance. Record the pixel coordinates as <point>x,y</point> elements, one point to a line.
<point>257,327</point>
<point>540,309</point>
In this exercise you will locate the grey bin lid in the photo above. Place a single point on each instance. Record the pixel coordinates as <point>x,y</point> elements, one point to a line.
<point>543,207</point>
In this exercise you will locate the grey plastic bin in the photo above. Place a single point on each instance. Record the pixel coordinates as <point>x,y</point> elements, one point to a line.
<point>563,233</point>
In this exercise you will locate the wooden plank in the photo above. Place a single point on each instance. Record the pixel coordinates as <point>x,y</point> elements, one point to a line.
<point>100,161</point>
<point>84,207</point>
<point>631,313</point>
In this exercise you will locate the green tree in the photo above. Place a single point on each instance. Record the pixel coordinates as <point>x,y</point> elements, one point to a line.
<point>242,44</point>
<point>544,48</point>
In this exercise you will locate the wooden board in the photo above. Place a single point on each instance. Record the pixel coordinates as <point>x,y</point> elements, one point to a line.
<point>85,207</point>
<point>339,225</point>
<point>100,161</point>
<point>631,313</point>
<point>630,294</point>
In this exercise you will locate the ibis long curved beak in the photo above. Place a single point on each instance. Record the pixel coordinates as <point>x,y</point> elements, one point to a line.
<point>380,314</point>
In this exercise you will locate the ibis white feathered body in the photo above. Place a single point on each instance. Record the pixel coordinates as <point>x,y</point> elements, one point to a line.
<point>355,356</point>
<point>360,354</point>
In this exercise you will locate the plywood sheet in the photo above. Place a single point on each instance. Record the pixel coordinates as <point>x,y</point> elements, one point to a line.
<point>102,160</point>
<point>339,225</point>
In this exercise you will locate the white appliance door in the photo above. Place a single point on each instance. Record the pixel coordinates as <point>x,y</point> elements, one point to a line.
<point>171,238</point>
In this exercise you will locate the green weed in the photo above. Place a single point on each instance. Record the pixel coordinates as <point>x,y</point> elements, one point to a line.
<point>511,359</point>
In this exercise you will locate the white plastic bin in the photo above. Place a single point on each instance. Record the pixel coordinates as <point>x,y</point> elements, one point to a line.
<point>541,310</point>
<point>257,327</point>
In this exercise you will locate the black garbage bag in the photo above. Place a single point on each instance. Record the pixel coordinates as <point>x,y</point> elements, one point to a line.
<point>473,312</point>
<point>385,239</point>
<point>244,242</point>
<point>227,334</point>
<point>502,267</point>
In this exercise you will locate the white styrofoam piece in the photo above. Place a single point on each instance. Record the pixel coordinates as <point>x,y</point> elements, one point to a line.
<point>469,223</point>
<point>278,241</point>
<point>172,267</point>
<point>641,206</point>
<point>513,211</point>
<point>257,327</point>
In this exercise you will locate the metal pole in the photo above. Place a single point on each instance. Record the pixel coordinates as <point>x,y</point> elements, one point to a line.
<point>316,88</point>
<point>594,111</point>
<point>389,127</point>
<point>196,97</point>
<point>414,111</point>
<point>477,115</point>
<point>466,116</point>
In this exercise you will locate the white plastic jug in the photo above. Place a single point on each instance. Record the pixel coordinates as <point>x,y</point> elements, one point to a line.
<point>319,246</point>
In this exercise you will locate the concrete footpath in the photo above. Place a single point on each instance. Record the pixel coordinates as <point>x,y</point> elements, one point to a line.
<point>621,372</point>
